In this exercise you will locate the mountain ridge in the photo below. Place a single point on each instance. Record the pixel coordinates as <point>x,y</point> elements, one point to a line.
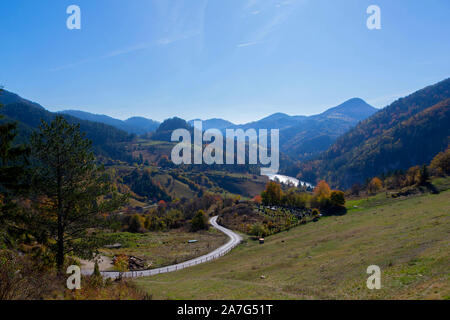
<point>106,140</point>
<point>408,132</point>
<point>134,125</point>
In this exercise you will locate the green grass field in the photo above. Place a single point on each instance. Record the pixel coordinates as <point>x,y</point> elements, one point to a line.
<point>166,248</point>
<point>407,238</point>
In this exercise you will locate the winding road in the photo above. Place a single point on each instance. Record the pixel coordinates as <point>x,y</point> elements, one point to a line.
<point>235,239</point>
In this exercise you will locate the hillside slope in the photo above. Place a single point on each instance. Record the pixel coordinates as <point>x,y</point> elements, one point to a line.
<point>411,131</point>
<point>408,239</point>
<point>107,140</point>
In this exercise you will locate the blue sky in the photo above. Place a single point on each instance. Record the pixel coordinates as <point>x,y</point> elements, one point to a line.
<point>236,59</point>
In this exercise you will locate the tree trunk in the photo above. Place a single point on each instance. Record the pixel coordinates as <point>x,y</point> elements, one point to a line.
<point>60,240</point>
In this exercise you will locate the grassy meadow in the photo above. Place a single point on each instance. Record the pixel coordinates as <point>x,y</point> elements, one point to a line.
<point>408,238</point>
<point>161,249</point>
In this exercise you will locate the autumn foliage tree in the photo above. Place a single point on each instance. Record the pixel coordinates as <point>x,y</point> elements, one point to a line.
<point>375,185</point>
<point>440,165</point>
<point>257,199</point>
<point>322,189</point>
<point>327,200</point>
<point>273,194</point>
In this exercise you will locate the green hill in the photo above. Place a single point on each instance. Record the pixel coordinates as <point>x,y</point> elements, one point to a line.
<point>407,238</point>
<point>107,141</point>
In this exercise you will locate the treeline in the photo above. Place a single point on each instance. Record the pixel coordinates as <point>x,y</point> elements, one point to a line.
<point>142,183</point>
<point>327,201</point>
<point>416,176</point>
<point>187,213</point>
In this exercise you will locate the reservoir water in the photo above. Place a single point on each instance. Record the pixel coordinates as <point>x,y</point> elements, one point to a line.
<point>286,179</point>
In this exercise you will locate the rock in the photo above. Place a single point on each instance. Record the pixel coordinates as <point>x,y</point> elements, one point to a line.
<point>114,246</point>
<point>263,277</point>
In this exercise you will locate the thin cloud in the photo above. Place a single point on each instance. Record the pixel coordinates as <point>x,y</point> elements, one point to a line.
<point>248,44</point>
<point>128,50</point>
<point>280,12</point>
<point>71,65</point>
<point>169,40</point>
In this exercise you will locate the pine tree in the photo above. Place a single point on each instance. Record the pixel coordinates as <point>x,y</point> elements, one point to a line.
<point>72,192</point>
<point>13,160</point>
<point>424,178</point>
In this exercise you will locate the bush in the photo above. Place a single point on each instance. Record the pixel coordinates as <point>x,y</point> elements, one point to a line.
<point>22,278</point>
<point>199,221</point>
<point>315,213</point>
<point>136,224</point>
<point>259,230</point>
<point>337,198</point>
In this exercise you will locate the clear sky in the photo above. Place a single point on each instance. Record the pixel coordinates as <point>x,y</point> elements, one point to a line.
<point>236,59</point>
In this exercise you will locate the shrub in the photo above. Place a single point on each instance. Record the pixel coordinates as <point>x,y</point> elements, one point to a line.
<point>259,230</point>
<point>337,198</point>
<point>22,278</point>
<point>199,221</point>
<point>136,224</point>
<point>315,213</point>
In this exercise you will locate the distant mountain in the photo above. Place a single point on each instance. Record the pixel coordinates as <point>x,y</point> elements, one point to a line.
<point>140,125</point>
<point>7,97</point>
<point>352,110</point>
<point>302,137</point>
<point>136,125</point>
<point>107,140</point>
<point>214,123</point>
<point>311,135</point>
<point>164,131</point>
<point>274,121</point>
<point>410,131</point>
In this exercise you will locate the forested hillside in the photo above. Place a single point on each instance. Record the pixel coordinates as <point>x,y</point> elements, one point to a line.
<point>411,131</point>
<point>107,140</point>
<point>134,125</point>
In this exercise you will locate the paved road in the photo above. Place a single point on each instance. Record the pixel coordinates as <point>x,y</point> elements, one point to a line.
<point>235,239</point>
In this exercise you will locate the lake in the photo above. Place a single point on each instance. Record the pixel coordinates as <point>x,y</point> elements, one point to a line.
<point>287,179</point>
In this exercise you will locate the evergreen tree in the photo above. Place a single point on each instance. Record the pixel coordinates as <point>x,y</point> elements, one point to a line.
<point>71,191</point>
<point>424,178</point>
<point>13,160</point>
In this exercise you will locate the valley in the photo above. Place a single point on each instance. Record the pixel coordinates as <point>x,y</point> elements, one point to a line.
<point>213,158</point>
<point>308,232</point>
<point>407,238</point>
